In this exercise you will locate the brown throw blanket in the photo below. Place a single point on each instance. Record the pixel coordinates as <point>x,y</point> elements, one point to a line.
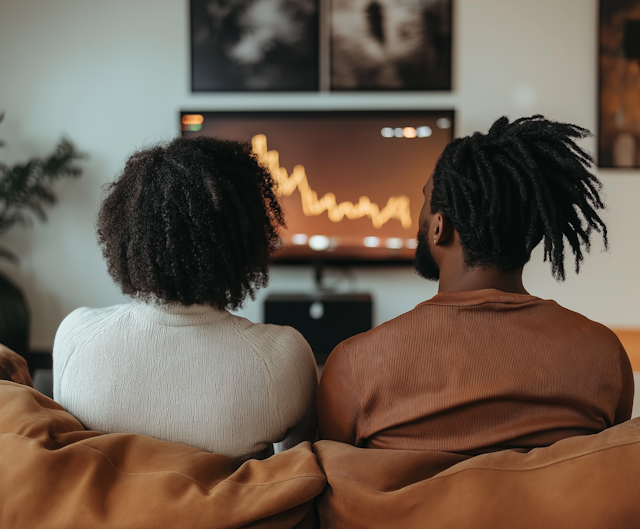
<point>586,482</point>
<point>56,475</point>
<point>13,367</point>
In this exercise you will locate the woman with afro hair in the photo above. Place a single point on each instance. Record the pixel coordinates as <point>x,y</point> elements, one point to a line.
<point>187,231</point>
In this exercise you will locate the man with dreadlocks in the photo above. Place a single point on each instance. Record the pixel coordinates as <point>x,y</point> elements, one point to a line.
<point>484,365</point>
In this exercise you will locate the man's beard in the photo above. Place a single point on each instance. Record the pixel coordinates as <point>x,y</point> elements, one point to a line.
<point>425,264</point>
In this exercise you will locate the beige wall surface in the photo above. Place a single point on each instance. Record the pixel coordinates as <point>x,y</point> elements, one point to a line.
<point>113,75</point>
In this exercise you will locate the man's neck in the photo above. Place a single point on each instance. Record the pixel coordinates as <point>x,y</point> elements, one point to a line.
<point>466,280</point>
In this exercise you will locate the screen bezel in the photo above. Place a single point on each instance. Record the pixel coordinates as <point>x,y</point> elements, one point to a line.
<point>324,258</point>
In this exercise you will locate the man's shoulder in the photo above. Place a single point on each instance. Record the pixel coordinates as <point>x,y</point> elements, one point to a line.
<point>428,320</point>
<point>389,333</point>
<point>580,325</point>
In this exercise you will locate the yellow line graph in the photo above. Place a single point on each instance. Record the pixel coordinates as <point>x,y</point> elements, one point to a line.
<point>396,208</point>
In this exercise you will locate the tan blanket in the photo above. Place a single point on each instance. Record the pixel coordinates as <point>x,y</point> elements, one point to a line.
<point>586,482</point>
<point>13,367</point>
<point>55,474</point>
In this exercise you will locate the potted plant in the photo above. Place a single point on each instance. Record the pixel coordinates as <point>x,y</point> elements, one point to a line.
<point>25,191</point>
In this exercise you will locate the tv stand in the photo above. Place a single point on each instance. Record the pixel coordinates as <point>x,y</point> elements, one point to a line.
<point>318,269</point>
<point>324,318</point>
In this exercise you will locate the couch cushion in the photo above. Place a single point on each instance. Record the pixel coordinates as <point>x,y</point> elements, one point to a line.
<point>13,367</point>
<point>630,339</point>
<point>55,474</point>
<point>580,482</point>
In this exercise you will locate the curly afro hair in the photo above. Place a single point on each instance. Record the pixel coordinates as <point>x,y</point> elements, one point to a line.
<point>523,182</point>
<point>191,222</point>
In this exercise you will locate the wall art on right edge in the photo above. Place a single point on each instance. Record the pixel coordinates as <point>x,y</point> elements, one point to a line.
<point>391,44</point>
<point>619,98</point>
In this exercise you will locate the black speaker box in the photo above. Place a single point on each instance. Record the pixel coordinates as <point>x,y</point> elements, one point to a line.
<point>324,319</point>
<point>631,39</point>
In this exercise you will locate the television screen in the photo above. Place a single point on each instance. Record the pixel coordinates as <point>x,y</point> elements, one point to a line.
<point>350,182</point>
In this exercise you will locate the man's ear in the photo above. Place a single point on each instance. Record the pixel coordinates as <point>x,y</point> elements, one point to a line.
<point>442,230</point>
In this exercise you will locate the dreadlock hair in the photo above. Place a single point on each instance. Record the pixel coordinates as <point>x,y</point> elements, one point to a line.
<point>522,182</point>
<point>192,221</point>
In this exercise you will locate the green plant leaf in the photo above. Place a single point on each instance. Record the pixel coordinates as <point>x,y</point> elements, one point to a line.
<point>27,186</point>
<point>9,256</point>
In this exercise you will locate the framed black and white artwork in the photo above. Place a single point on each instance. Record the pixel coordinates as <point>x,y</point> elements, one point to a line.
<point>254,45</point>
<point>619,96</point>
<point>390,44</point>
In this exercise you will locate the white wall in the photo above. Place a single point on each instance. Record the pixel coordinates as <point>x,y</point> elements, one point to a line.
<point>112,75</point>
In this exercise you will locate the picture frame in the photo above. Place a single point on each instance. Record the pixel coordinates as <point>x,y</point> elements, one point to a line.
<point>391,45</point>
<point>619,84</point>
<point>254,45</point>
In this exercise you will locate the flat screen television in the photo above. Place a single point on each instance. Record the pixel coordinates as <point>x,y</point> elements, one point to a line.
<point>350,181</point>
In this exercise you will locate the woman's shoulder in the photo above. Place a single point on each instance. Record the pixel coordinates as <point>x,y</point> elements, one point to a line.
<point>270,336</point>
<point>83,322</point>
<point>289,362</point>
<point>86,316</point>
<point>277,345</point>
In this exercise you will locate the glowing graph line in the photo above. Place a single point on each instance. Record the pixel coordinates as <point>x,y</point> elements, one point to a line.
<point>396,208</point>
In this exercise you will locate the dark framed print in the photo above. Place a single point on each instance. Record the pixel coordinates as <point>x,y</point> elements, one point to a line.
<point>391,44</point>
<point>254,45</point>
<point>619,97</point>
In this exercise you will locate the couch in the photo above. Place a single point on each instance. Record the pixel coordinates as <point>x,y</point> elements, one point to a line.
<point>55,474</point>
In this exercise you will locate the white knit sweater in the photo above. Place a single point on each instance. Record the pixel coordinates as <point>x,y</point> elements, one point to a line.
<point>193,375</point>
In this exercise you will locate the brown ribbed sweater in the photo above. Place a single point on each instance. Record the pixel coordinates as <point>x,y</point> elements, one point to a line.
<point>474,372</point>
